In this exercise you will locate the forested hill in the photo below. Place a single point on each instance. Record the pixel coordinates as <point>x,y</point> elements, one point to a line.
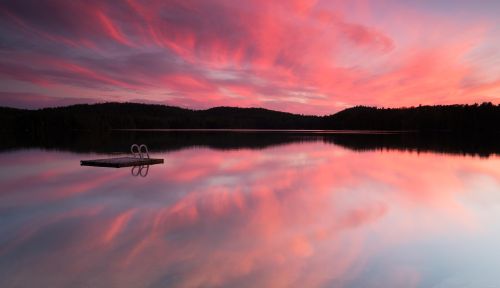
<point>145,116</point>
<point>106,116</point>
<point>476,118</point>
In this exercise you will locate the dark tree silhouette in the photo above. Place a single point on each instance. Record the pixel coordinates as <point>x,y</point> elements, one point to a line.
<point>107,116</point>
<point>455,118</point>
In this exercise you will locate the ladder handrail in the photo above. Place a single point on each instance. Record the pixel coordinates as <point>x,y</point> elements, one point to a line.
<point>145,148</point>
<point>137,150</point>
<point>134,153</point>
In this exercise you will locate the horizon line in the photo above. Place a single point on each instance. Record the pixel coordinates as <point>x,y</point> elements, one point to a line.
<point>251,107</point>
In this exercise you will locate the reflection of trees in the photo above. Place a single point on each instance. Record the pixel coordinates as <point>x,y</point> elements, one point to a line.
<point>119,141</point>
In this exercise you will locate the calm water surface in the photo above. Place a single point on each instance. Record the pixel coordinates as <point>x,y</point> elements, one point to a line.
<point>297,214</point>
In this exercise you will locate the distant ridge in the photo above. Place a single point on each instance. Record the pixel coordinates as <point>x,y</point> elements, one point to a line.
<point>483,117</point>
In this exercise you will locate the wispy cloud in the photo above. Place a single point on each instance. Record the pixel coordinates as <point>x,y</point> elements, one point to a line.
<point>302,56</point>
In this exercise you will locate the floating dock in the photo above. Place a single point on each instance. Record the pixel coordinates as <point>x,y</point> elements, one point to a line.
<point>121,162</point>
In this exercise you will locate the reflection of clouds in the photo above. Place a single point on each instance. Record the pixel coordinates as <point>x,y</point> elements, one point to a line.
<point>296,215</point>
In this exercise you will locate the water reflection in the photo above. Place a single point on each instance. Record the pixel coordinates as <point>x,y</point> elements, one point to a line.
<point>307,214</point>
<point>141,170</point>
<point>483,145</point>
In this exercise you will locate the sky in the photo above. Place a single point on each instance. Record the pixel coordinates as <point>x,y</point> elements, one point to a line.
<point>301,56</point>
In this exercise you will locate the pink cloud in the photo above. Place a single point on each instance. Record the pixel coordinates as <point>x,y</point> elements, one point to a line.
<point>36,101</point>
<point>299,56</point>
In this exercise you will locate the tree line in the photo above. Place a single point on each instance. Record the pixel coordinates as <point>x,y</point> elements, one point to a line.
<point>483,117</point>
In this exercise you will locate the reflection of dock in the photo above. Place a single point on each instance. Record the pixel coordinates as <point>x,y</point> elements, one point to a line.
<point>121,162</point>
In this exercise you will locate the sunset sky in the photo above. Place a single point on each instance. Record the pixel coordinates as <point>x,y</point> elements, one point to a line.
<point>302,56</point>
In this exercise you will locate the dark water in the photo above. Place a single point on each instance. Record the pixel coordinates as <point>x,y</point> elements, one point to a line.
<point>248,209</point>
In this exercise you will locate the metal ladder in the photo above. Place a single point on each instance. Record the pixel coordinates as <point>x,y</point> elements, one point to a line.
<point>140,151</point>
<point>137,151</point>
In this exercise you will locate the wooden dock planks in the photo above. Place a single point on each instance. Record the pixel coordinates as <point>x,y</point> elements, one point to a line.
<point>121,162</point>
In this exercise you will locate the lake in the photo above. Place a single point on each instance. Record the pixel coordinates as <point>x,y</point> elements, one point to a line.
<point>251,209</point>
